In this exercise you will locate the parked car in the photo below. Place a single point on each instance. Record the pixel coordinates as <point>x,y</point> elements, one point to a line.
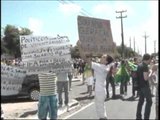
<point>30,87</point>
<point>2,114</point>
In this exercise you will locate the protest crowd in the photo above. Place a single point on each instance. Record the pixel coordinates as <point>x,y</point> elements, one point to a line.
<point>117,73</point>
<point>49,57</point>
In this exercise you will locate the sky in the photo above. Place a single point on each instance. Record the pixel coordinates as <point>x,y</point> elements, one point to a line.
<point>60,17</point>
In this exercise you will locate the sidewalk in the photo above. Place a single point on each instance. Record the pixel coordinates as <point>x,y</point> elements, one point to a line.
<point>32,112</point>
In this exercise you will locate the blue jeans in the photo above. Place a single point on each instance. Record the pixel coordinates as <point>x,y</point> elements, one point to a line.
<point>47,104</point>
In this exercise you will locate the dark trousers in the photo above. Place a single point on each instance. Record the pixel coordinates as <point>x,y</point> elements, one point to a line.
<point>70,80</point>
<point>123,87</point>
<point>107,87</point>
<point>134,86</point>
<point>63,85</point>
<point>144,93</point>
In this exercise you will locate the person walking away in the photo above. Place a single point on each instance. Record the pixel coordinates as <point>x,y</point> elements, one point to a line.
<point>110,80</point>
<point>144,89</point>
<point>100,72</point>
<point>133,69</point>
<point>48,96</point>
<point>62,85</point>
<point>89,77</point>
<point>157,94</point>
<point>82,66</point>
<point>152,78</point>
<point>124,78</point>
<point>70,77</point>
<point>75,68</point>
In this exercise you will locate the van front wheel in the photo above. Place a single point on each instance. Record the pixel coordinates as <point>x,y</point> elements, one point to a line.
<point>34,94</point>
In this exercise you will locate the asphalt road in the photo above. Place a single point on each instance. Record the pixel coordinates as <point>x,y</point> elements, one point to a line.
<point>116,109</point>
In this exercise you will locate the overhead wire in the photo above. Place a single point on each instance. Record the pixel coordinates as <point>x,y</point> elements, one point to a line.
<point>83,11</point>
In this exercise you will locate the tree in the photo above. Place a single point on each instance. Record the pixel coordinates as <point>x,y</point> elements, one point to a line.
<point>75,52</point>
<point>128,52</point>
<point>11,39</point>
<point>3,48</point>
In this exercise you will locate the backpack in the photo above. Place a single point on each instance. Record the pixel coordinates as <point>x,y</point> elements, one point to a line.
<point>136,79</point>
<point>134,75</point>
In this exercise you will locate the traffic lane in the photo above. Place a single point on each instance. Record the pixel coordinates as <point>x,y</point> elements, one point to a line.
<point>116,109</point>
<point>87,112</point>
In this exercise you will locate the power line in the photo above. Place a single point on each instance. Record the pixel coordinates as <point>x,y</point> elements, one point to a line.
<point>83,11</point>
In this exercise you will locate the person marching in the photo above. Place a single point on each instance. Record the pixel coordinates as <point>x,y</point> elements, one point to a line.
<point>110,79</point>
<point>144,88</point>
<point>123,77</point>
<point>100,71</point>
<point>89,77</point>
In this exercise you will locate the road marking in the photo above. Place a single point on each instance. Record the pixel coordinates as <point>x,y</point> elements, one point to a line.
<point>79,110</point>
<point>83,108</point>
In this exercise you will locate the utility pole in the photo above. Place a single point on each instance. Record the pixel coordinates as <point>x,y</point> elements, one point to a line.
<point>130,43</point>
<point>145,37</point>
<point>134,44</point>
<point>138,50</point>
<point>121,17</point>
<point>155,46</point>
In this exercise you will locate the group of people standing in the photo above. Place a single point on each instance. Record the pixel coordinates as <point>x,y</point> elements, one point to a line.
<point>106,71</point>
<point>100,74</point>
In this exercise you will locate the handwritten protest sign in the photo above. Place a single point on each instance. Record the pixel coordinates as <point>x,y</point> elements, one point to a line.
<point>45,53</point>
<point>11,79</point>
<point>95,35</point>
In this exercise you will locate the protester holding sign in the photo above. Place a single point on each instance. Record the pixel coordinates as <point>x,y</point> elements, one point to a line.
<point>46,55</point>
<point>110,79</point>
<point>48,96</point>
<point>101,71</point>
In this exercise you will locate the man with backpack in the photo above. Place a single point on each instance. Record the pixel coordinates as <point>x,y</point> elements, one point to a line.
<point>134,77</point>
<point>144,89</point>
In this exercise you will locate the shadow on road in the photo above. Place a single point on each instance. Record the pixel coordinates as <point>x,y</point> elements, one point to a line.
<point>84,93</point>
<point>123,98</point>
<point>15,100</point>
<point>84,98</point>
<point>131,99</point>
<point>118,96</point>
<point>80,84</point>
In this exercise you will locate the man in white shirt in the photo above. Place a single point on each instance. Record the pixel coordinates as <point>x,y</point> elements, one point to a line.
<point>101,70</point>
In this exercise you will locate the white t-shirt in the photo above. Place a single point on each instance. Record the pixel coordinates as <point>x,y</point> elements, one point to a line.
<point>100,71</point>
<point>90,80</point>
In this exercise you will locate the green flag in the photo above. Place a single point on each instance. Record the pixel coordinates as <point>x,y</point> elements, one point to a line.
<point>122,74</point>
<point>132,66</point>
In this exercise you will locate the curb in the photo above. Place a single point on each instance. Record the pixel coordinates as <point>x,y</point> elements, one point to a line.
<point>73,103</point>
<point>76,79</point>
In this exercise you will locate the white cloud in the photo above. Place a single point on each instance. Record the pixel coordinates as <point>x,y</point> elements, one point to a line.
<point>102,8</point>
<point>35,25</point>
<point>150,26</point>
<point>69,9</point>
<point>120,5</point>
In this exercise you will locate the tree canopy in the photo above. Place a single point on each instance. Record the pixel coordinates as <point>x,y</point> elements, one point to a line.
<point>10,42</point>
